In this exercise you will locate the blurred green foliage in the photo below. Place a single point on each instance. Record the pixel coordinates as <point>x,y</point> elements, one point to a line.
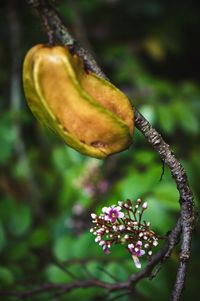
<point>150,49</point>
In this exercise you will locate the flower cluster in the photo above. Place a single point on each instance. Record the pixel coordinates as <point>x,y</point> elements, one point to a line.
<point>92,181</point>
<point>123,224</point>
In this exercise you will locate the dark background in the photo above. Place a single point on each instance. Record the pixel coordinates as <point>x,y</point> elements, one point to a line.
<point>151,50</point>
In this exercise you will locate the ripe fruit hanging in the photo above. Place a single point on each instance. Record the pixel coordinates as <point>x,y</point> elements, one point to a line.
<point>89,113</point>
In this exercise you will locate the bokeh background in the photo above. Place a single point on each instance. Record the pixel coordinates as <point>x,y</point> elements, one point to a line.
<point>151,50</point>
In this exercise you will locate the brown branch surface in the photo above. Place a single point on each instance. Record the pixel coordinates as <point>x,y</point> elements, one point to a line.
<point>185,225</point>
<point>62,35</point>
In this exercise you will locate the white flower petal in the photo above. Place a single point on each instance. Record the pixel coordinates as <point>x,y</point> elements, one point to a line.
<point>98,238</point>
<point>136,261</point>
<point>118,208</point>
<point>93,215</point>
<point>102,242</point>
<point>145,205</point>
<point>121,214</point>
<point>105,209</point>
<point>142,252</point>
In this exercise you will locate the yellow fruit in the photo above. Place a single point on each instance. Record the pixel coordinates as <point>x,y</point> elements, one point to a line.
<point>89,113</point>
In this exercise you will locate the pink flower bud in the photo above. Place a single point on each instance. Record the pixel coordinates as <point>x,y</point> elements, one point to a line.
<point>93,215</point>
<point>145,205</point>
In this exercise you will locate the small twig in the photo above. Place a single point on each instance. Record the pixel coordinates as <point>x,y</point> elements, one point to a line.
<point>163,171</point>
<point>48,30</point>
<point>66,270</point>
<point>86,271</point>
<point>108,273</point>
<point>173,239</point>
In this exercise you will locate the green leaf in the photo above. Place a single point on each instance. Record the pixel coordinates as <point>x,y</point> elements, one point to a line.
<point>89,294</point>
<point>18,252</point>
<point>39,237</point>
<point>6,276</point>
<point>136,184</point>
<point>93,268</point>
<point>83,245</point>
<point>7,137</point>
<point>114,269</point>
<point>167,193</point>
<point>2,237</point>
<point>166,118</point>
<point>152,290</point>
<point>148,112</point>
<point>143,157</point>
<point>60,159</point>
<point>20,220</point>
<point>160,218</point>
<point>55,275</point>
<point>63,248</point>
<point>185,117</point>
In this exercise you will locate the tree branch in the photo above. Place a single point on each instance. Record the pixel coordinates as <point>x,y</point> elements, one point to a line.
<point>185,224</point>
<point>186,197</point>
<point>62,35</point>
<point>60,289</point>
